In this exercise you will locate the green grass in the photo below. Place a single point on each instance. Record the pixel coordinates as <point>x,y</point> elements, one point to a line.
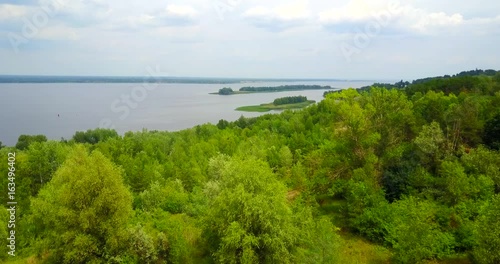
<point>356,249</point>
<point>271,106</point>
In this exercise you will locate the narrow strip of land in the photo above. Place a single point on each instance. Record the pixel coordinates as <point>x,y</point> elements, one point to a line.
<point>272,89</point>
<point>293,102</point>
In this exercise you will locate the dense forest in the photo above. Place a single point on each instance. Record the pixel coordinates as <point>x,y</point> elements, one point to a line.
<point>406,175</point>
<point>463,81</point>
<point>263,89</point>
<point>289,100</point>
<point>298,87</point>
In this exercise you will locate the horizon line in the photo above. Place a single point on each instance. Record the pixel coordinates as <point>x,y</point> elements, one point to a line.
<point>29,76</point>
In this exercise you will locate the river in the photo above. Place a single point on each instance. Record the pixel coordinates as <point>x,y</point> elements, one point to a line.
<point>58,110</point>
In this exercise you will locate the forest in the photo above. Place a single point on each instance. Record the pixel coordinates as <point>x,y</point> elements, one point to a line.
<point>290,100</point>
<point>265,89</point>
<point>298,87</point>
<point>380,175</point>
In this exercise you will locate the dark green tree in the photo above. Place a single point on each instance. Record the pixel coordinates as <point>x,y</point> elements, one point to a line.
<point>94,136</point>
<point>25,141</point>
<point>491,135</point>
<point>488,249</point>
<point>226,91</point>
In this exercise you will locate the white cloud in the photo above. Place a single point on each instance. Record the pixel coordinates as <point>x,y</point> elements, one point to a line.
<point>293,11</point>
<point>258,11</point>
<point>12,11</point>
<point>416,39</point>
<point>401,18</point>
<point>280,17</point>
<point>142,20</point>
<point>78,13</point>
<point>355,11</point>
<point>171,16</point>
<point>181,11</point>
<point>58,33</point>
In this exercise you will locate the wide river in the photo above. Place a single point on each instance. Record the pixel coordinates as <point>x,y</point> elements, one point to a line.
<point>59,110</point>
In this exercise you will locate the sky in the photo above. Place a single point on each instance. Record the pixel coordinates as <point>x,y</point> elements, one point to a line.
<point>351,39</point>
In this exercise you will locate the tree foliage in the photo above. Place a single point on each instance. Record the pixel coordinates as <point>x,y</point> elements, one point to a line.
<point>25,141</point>
<point>403,166</point>
<point>249,220</point>
<point>83,210</point>
<point>94,136</point>
<point>226,91</point>
<point>488,249</point>
<point>290,100</point>
<point>491,135</point>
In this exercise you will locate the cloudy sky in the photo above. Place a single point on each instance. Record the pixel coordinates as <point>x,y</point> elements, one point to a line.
<point>354,39</point>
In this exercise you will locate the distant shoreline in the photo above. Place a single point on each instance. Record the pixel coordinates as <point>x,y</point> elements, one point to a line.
<point>272,89</point>
<point>153,79</point>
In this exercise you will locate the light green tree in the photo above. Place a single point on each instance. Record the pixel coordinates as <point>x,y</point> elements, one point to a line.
<point>43,159</point>
<point>83,211</point>
<point>321,242</point>
<point>482,161</point>
<point>393,116</point>
<point>414,232</point>
<point>168,196</point>
<point>432,144</point>
<point>456,183</point>
<point>249,220</point>
<point>488,249</point>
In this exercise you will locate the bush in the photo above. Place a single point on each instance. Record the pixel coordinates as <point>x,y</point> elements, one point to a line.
<point>488,249</point>
<point>415,234</point>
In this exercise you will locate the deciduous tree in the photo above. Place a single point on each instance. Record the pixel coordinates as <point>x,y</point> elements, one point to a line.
<point>83,211</point>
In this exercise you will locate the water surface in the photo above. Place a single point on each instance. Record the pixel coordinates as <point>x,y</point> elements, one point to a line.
<point>58,110</point>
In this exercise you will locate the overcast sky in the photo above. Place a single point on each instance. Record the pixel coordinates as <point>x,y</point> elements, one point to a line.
<point>357,39</point>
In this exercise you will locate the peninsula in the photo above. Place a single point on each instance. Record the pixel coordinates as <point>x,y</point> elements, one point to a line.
<point>290,102</point>
<point>271,89</point>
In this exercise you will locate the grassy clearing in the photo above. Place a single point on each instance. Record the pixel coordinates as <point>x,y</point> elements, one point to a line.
<point>356,249</point>
<point>270,106</point>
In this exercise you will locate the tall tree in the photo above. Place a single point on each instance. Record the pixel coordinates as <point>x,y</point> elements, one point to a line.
<point>24,141</point>
<point>488,248</point>
<point>249,219</point>
<point>83,211</point>
<point>491,136</point>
